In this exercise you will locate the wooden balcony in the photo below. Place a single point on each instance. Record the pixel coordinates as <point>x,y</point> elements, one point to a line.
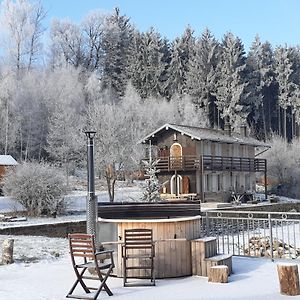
<point>220,163</point>
<point>211,163</point>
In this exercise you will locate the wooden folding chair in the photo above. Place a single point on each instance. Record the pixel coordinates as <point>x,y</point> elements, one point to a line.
<point>138,254</point>
<point>84,256</point>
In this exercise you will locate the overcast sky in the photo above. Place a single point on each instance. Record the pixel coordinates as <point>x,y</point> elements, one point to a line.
<point>277,21</point>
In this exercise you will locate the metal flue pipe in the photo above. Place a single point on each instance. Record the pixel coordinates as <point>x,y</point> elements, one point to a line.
<point>91,203</point>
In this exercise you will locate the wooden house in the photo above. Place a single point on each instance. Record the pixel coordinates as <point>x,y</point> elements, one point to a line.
<point>6,162</point>
<point>208,162</point>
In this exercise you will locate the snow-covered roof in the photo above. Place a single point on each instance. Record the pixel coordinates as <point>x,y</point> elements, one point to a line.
<point>207,134</point>
<point>7,160</point>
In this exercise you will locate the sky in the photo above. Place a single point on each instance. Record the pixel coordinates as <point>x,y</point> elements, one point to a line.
<point>277,21</point>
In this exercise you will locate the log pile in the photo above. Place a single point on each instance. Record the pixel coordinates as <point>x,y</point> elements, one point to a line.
<point>261,247</point>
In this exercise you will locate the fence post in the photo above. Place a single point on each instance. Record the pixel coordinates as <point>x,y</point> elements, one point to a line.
<point>271,236</point>
<point>207,224</point>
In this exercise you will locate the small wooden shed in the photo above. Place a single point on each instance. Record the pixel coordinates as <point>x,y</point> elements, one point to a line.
<point>6,161</point>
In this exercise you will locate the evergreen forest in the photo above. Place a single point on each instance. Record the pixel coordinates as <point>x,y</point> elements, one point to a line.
<point>105,74</point>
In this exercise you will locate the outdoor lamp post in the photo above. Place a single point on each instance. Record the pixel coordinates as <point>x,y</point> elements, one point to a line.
<point>91,203</point>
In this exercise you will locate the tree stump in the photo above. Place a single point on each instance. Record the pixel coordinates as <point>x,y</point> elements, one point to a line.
<point>218,274</point>
<point>288,279</point>
<point>7,251</point>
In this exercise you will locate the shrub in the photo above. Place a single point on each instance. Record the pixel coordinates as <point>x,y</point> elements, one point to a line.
<point>284,166</point>
<point>39,187</point>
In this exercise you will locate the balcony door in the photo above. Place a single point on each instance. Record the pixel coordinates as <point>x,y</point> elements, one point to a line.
<point>176,187</point>
<point>176,156</point>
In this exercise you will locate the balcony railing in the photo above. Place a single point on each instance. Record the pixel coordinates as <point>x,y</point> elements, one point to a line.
<point>221,163</point>
<point>211,163</point>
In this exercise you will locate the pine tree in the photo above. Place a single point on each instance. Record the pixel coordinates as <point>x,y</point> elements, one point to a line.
<point>201,77</point>
<point>286,86</point>
<point>260,74</point>
<point>293,121</point>
<point>148,64</point>
<point>117,42</point>
<point>182,49</point>
<point>230,87</point>
<point>151,193</point>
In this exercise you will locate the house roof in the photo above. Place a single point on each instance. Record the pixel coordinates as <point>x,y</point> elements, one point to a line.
<point>7,160</point>
<point>207,134</point>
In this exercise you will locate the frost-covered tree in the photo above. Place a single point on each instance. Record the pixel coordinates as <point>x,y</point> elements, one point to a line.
<point>260,69</point>
<point>8,121</point>
<point>293,110</point>
<point>80,45</point>
<point>230,87</point>
<point>284,165</point>
<point>286,86</point>
<point>201,77</point>
<point>31,114</point>
<point>148,64</point>
<point>65,105</point>
<point>152,186</point>
<point>186,112</point>
<point>116,45</point>
<point>67,43</point>
<point>93,35</point>
<point>111,140</point>
<point>21,21</point>
<point>182,49</point>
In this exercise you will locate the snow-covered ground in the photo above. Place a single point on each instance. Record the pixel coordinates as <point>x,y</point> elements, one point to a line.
<point>51,278</point>
<point>76,201</point>
<point>43,271</point>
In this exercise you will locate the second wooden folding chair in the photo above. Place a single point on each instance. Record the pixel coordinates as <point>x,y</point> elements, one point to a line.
<point>138,253</point>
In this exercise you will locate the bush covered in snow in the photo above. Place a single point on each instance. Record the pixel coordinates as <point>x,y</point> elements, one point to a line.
<point>284,166</point>
<point>39,187</point>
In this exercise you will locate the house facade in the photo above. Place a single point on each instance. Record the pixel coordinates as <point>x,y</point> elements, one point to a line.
<point>207,162</point>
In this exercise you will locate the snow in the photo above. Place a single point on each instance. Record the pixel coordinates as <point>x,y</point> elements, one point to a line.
<point>28,249</point>
<point>43,271</point>
<point>45,220</point>
<point>7,160</point>
<point>51,278</point>
<point>77,200</point>
<point>9,205</point>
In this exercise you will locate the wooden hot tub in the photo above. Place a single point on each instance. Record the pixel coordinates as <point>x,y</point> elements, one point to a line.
<point>172,243</point>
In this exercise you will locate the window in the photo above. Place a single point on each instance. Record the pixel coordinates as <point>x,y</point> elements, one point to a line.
<point>219,182</point>
<point>247,182</point>
<point>208,182</point>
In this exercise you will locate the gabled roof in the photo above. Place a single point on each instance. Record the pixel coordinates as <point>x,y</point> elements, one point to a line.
<point>207,134</point>
<point>7,160</point>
